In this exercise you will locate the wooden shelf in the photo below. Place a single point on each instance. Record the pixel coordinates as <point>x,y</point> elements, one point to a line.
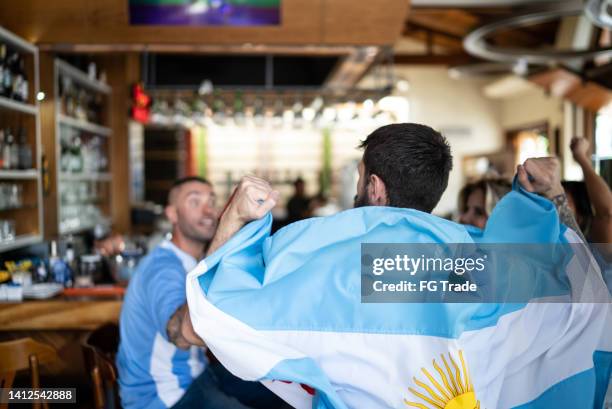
<point>20,241</point>
<point>84,125</point>
<point>63,226</point>
<point>30,174</point>
<point>85,227</point>
<point>27,218</point>
<point>17,42</point>
<point>11,104</point>
<point>82,78</point>
<point>100,177</point>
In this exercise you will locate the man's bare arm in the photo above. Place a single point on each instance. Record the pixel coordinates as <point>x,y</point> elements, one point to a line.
<point>600,194</point>
<point>252,199</point>
<point>542,176</point>
<point>566,215</point>
<point>175,326</point>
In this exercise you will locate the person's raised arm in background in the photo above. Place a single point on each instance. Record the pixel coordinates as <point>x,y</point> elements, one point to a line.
<point>598,190</point>
<point>252,200</point>
<point>542,176</point>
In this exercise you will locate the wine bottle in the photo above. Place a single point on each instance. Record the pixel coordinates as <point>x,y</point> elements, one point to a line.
<point>10,158</point>
<point>7,80</point>
<point>23,90</point>
<point>17,77</point>
<point>25,151</point>
<point>3,67</point>
<point>1,148</point>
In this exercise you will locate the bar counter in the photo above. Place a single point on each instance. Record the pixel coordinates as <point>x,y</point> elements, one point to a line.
<point>69,311</point>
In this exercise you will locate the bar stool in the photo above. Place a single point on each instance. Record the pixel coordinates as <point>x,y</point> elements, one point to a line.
<point>22,354</point>
<point>99,349</point>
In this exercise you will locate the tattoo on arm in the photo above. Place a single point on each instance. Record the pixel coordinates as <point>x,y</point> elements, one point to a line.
<point>566,215</point>
<point>174,328</point>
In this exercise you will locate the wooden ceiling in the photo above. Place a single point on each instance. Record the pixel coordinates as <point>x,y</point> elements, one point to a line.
<point>569,86</point>
<point>100,22</point>
<point>441,31</point>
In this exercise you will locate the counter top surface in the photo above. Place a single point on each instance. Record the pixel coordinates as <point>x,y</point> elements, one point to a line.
<point>62,312</point>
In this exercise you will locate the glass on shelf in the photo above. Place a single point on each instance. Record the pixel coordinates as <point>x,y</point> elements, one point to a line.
<point>7,231</point>
<point>11,196</point>
<point>81,152</point>
<point>79,102</point>
<point>79,215</point>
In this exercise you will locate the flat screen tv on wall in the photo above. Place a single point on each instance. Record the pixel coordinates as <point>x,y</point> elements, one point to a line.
<point>205,12</point>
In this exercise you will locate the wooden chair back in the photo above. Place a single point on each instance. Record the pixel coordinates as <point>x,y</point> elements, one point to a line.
<point>99,350</point>
<point>22,354</point>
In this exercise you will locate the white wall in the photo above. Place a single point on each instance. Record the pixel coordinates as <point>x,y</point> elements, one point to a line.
<point>458,109</point>
<point>531,107</point>
<point>277,153</point>
<point>534,107</point>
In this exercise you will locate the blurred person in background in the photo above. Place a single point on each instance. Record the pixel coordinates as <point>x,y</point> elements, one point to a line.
<point>477,200</point>
<point>298,204</point>
<point>321,205</point>
<point>590,200</point>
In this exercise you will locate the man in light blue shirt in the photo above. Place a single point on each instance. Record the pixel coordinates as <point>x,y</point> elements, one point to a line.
<point>157,367</point>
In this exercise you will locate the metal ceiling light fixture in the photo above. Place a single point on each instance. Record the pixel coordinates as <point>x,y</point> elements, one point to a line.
<point>475,42</point>
<point>599,12</point>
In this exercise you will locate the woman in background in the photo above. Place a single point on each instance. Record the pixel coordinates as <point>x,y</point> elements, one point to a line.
<point>477,200</point>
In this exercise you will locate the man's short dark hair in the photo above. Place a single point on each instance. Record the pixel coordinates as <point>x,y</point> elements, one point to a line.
<point>412,160</point>
<point>181,181</point>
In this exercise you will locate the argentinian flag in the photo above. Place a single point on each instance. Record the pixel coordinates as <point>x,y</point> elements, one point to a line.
<point>286,310</point>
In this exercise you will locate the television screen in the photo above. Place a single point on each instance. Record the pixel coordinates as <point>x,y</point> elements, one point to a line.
<point>205,12</point>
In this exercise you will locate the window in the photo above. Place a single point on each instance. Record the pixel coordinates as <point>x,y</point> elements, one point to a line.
<point>602,152</point>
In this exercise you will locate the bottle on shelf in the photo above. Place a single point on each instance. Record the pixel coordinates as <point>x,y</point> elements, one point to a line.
<point>25,150</point>
<point>23,89</point>
<point>59,269</point>
<point>77,156</point>
<point>80,111</point>
<point>18,78</point>
<point>13,149</point>
<point>7,149</point>
<point>3,67</point>
<point>1,149</point>
<point>70,260</point>
<point>7,80</point>
<point>12,64</point>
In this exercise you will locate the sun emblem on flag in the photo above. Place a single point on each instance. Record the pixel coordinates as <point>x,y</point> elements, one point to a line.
<point>452,390</point>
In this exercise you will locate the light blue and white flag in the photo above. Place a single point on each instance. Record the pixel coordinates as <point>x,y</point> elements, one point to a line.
<point>287,310</point>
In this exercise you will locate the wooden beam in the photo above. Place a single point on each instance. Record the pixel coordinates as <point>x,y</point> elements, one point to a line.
<point>48,141</point>
<point>411,26</point>
<point>122,70</point>
<point>564,84</point>
<point>453,45</point>
<point>450,21</point>
<point>352,69</point>
<point>457,23</point>
<point>244,49</point>
<point>435,59</point>
<point>340,22</point>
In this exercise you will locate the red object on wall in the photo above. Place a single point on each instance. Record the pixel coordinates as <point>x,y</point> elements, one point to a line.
<point>142,103</point>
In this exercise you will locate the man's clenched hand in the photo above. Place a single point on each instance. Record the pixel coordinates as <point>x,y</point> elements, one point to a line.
<point>252,199</point>
<point>541,175</point>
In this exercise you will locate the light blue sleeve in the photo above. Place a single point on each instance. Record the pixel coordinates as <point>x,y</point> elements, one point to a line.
<point>165,293</point>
